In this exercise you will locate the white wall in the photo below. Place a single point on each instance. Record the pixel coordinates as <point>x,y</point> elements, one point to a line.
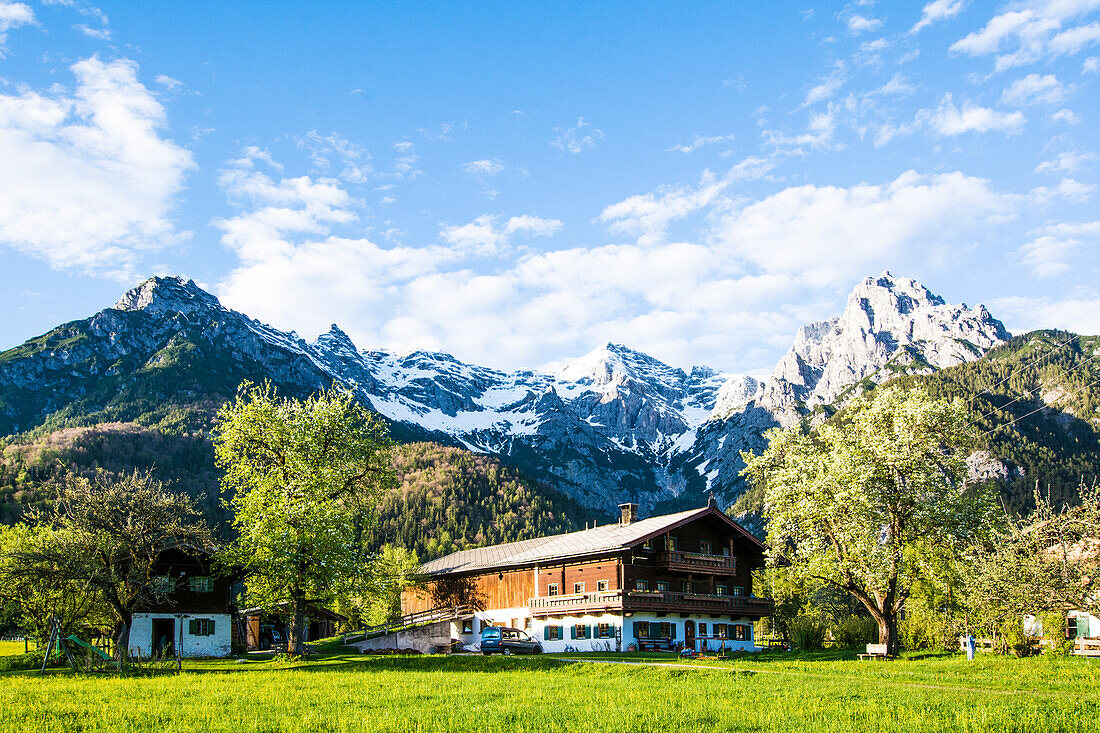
<point>626,632</point>
<point>217,644</point>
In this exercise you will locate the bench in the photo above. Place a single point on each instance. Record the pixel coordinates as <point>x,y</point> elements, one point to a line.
<point>874,651</point>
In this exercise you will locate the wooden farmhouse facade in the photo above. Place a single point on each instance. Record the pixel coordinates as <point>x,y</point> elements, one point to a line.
<point>195,616</point>
<point>680,580</point>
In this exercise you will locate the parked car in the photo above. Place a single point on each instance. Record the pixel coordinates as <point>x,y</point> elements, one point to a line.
<point>504,640</point>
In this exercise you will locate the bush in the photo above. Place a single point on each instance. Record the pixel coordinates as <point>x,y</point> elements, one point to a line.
<point>807,633</point>
<point>31,660</point>
<point>855,631</point>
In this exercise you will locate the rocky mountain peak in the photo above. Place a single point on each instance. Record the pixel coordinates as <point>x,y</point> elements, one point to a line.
<point>890,325</point>
<point>336,340</point>
<point>613,363</point>
<point>159,295</point>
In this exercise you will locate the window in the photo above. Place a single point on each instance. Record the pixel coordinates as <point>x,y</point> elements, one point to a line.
<point>688,586</point>
<point>641,629</point>
<point>721,631</point>
<point>738,590</point>
<point>552,633</point>
<point>201,627</point>
<point>641,585</point>
<point>726,551</point>
<point>578,588</point>
<point>484,625</point>
<point>468,626</point>
<point>702,629</point>
<point>527,623</point>
<point>602,585</point>
<point>667,630</point>
<point>670,543</point>
<point>721,590</point>
<point>662,586</point>
<point>163,585</point>
<point>552,589</point>
<point>581,631</point>
<point>200,584</point>
<point>605,631</point>
<point>739,633</point>
<point>647,545</point>
<point>704,547</point>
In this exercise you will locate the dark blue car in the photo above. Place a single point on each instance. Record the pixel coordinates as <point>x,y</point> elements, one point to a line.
<point>504,640</point>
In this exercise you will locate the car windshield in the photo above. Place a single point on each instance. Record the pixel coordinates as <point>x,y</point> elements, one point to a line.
<point>490,633</point>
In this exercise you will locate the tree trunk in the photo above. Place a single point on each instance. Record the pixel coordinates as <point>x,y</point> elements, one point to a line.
<point>296,644</point>
<point>888,632</point>
<point>122,637</point>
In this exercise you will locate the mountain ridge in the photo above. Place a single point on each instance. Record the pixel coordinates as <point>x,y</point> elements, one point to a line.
<point>615,424</point>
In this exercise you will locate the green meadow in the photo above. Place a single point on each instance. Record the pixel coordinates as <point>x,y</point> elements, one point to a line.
<point>338,692</point>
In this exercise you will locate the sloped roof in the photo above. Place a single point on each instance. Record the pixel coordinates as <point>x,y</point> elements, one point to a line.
<point>608,538</point>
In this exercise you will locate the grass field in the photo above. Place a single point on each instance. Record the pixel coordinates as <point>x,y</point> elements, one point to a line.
<point>825,692</point>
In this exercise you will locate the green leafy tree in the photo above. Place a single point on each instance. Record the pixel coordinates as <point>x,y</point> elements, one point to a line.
<point>852,502</point>
<point>1041,564</point>
<point>304,476</point>
<point>34,592</point>
<point>104,537</point>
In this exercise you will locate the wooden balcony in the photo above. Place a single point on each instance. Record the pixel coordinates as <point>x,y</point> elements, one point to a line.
<point>578,603</point>
<point>694,562</point>
<point>653,602</point>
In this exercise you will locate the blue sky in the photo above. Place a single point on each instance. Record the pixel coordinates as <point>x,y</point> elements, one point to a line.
<point>518,183</point>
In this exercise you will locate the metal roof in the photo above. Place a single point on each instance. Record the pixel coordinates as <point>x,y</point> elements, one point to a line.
<point>608,538</point>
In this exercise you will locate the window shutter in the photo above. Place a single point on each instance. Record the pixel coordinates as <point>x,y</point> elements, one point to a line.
<point>193,627</point>
<point>672,631</point>
<point>636,630</point>
<point>210,628</point>
<point>572,631</point>
<point>592,631</point>
<point>546,633</point>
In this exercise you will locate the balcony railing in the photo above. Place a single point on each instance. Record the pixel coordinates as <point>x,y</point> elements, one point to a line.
<point>697,603</point>
<point>698,562</point>
<point>576,603</point>
<point>657,602</point>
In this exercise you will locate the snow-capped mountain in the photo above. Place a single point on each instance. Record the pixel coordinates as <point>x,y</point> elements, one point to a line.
<point>613,425</point>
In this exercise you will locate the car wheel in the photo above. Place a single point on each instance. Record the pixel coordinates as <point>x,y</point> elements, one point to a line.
<point>508,651</point>
<point>537,650</point>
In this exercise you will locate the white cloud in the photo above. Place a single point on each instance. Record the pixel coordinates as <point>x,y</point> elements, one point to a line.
<point>949,120</point>
<point>648,216</point>
<point>168,82</point>
<point>936,11</point>
<point>485,168</point>
<point>699,142</point>
<point>88,181</point>
<point>1034,89</point>
<point>100,34</point>
<point>485,237</point>
<point>818,135</point>
<point>353,160</point>
<point>1048,254</point>
<point>1032,31</point>
<point>578,138</point>
<point>1078,312</point>
<point>1067,116</point>
<point>829,234</point>
<point>13,15</point>
<point>1067,161</point>
<point>858,24</point>
<point>829,86</point>
<point>1067,188</point>
<point>1091,65</point>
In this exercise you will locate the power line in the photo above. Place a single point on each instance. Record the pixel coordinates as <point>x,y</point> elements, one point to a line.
<point>1049,354</point>
<point>1078,365</point>
<point>1037,409</point>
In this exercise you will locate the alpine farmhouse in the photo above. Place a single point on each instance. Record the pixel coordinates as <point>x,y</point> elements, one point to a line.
<point>680,580</point>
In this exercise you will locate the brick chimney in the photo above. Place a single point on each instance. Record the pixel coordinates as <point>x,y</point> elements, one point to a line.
<point>629,514</point>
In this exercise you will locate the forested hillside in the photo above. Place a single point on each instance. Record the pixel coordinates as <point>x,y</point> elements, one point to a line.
<point>448,497</point>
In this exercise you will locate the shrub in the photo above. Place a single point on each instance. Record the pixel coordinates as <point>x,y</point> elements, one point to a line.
<point>855,631</point>
<point>807,633</point>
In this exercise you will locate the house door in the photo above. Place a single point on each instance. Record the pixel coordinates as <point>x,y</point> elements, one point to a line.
<point>164,634</point>
<point>689,634</point>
